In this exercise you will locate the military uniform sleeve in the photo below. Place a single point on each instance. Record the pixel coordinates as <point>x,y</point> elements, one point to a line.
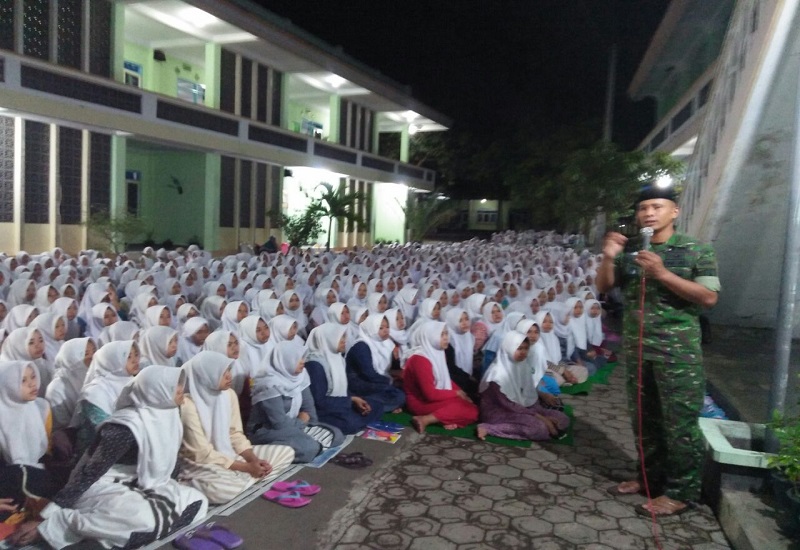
<point>705,270</point>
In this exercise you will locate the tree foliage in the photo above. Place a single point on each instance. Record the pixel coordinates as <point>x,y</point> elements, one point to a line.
<point>423,215</point>
<point>304,228</point>
<point>336,203</point>
<point>113,233</point>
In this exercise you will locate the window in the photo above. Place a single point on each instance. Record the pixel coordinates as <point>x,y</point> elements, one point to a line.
<point>193,92</point>
<point>487,216</point>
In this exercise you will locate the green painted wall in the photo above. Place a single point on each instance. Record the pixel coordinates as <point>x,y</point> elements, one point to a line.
<point>162,76</point>
<point>296,111</point>
<point>169,214</point>
<point>388,215</point>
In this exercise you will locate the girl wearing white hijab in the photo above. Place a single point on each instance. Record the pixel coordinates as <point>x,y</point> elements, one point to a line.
<point>255,345</point>
<point>121,330</point>
<point>122,494</point>
<point>24,436</point>
<point>103,315</point>
<point>159,346</point>
<point>406,301</point>
<point>357,316</point>
<point>293,307</point>
<point>193,336</point>
<point>27,344</point>
<point>459,353</point>
<point>45,296</point>
<point>334,403</point>
<point>324,298</point>
<point>111,369</point>
<point>232,315</point>
<point>68,308</point>
<point>211,310</point>
<point>19,317</point>
<point>433,398</point>
<point>72,364</point>
<point>217,459</point>
<point>369,362</point>
<point>21,291</point>
<point>282,403</point>
<point>510,405</point>
<point>227,343</point>
<point>560,370</point>
<point>53,328</point>
<point>284,327</point>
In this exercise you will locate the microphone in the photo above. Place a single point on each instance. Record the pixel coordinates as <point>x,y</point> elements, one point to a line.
<point>646,233</point>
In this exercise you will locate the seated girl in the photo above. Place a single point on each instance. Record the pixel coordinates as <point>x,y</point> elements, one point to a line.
<point>335,404</point>
<point>72,364</point>
<point>216,457</point>
<point>193,336</point>
<point>112,368</point>
<point>368,363</point>
<point>25,425</point>
<point>433,398</point>
<point>459,352</point>
<point>122,493</point>
<point>510,405</point>
<point>558,369</point>
<point>27,344</point>
<point>283,405</point>
<point>158,345</point>
<point>583,354</point>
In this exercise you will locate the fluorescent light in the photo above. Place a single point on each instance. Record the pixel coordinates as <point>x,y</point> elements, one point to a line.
<point>335,80</point>
<point>412,129</point>
<point>410,116</point>
<point>483,201</point>
<point>197,17</point>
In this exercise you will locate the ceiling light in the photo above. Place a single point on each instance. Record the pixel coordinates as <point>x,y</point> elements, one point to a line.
<point>412,129</point>
<point>335,80</point>
<point>197,17</point>
<point>410,116</point>
<point>483,201</point>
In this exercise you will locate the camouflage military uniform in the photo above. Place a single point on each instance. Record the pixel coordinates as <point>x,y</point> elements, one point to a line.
<point>673,383</point>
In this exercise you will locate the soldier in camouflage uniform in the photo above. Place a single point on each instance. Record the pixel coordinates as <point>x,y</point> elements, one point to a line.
<point>680,279</point>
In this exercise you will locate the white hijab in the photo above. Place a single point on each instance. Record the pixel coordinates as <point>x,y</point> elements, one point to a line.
<point>23,438</point>
<point>429,338</point>
<point>65,389</point>
<point>218,341</point>
<point>203,375</point>
<point>594,325</point>
<point>281,380</point>
<point>536,358</point>
<point>323,344</point>
<point>253,355</point>
<point>186,346</point>
<point>107,375</point>
<point>380,350</point>
<point>154,342</point>
<point>514,379</point>
<point>147,408</point>
<point>463,343</point>
<point>549,340</point>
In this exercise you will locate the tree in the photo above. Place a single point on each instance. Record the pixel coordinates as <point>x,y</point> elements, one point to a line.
<point>303,229</point>
<point>114,232</point>
<point>422,215</point>
<point>337,203</point>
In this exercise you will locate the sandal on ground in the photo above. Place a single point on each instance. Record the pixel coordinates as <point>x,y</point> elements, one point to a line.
<point>219,534</point>
<point>642,511</point>
<point>192,541</point>
<point>300,486</point>
<point>354,461</point>
<point>615,491</point>
<point>289,500</point>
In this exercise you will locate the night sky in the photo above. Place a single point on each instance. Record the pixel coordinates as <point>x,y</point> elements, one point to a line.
<point>495,65</point>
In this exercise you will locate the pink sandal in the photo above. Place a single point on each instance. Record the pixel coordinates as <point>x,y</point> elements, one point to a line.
<point>300,486</point>
<point>289,500</point>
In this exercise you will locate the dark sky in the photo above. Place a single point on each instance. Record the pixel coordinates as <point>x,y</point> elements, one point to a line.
<point>497,64</point>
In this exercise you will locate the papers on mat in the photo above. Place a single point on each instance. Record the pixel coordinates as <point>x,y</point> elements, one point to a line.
<point>383,431</point>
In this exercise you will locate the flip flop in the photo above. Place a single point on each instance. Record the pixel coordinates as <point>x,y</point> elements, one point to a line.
<point>642,511</point>
<point>353,461</point>
<point>300,486</point>
<point>289,500</point>
<point>192,541</point>
<point>219,534</point>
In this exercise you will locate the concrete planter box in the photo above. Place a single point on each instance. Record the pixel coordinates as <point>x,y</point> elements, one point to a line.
<point>735,458</point>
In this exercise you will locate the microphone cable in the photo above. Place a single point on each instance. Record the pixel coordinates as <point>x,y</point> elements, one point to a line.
<point>640,415</point>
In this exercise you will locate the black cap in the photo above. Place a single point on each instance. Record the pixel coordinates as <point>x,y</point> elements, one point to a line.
<point>652,191</point>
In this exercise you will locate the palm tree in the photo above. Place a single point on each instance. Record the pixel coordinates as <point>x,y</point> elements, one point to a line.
<point>337,203</point>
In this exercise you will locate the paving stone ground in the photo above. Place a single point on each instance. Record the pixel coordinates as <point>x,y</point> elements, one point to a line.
<point>446,493</point>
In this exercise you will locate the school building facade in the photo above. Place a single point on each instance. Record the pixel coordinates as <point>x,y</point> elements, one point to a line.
<point>204,118</point>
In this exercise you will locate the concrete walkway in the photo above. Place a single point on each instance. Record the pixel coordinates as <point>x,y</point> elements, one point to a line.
<point>434,492</point>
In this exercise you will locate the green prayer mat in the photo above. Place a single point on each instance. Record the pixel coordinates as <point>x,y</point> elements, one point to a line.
<point>602,375</point>
<point>578,389</point>
<point>470,432</point>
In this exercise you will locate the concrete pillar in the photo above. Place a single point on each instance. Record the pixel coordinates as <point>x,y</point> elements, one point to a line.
<point>119,192</point>
<point>213,62</point>
<point>404,139</point>
<point>118,41</point>
<point>336,117</point>
<point>211,201</point>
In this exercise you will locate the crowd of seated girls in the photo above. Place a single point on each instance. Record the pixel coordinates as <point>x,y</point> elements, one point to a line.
<point>249,364</point>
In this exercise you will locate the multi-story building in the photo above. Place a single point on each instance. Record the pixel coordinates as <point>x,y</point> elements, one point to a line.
<point>205,118</point>
<point>724,75</point>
